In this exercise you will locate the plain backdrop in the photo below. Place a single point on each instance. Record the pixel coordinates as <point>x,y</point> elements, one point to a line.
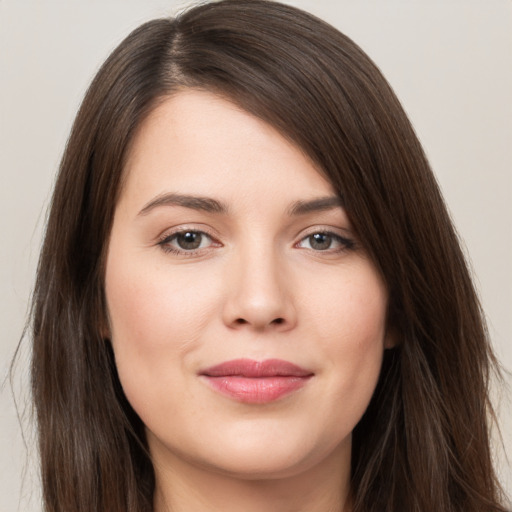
<point>450,63</point>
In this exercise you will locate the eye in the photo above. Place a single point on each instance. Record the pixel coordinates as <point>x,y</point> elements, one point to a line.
<point>325,241</point>
<point>186,241</point>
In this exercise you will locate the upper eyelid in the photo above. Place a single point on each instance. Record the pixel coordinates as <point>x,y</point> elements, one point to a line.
<point>183,228</point>
<point>326,229</point>
<point>322,229</point>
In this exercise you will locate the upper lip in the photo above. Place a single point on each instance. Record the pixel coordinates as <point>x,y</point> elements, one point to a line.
<point>253,369</point>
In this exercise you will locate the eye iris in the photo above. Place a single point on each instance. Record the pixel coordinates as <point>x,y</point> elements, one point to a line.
<point>189,240</point>
<point>320,241</point>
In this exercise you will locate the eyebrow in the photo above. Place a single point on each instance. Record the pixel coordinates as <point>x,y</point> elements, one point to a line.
<point>206,204</point>
<point>315,205</point>
<point>211,205</point>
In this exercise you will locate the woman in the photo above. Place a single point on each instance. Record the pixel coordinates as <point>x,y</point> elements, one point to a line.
<point>250,295</point>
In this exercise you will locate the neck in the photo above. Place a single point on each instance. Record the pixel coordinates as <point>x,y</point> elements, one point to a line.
<point>183,486</point>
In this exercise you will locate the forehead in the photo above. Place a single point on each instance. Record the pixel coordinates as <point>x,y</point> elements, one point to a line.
<point>197,142</point>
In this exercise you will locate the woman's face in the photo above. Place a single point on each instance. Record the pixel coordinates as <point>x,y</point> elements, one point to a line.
<point>247,323</point>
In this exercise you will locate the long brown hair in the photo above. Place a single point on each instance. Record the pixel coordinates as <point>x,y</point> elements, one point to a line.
<point>423,443</point>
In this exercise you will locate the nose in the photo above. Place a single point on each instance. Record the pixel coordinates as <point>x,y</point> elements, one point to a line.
<point>260,295</point>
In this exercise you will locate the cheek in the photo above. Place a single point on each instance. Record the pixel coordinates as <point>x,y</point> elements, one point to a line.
<point>150,305</point>
<point>349,312</point>
<point>350,323</point>
<point>156,319</point>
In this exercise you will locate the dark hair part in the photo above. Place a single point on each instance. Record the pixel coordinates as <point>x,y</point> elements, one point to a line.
<point>423,443</point>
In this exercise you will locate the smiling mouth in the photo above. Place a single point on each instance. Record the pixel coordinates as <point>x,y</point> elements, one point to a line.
<point>256,382</point>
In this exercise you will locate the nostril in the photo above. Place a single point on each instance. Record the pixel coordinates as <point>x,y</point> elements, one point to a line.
<point>276,321</point>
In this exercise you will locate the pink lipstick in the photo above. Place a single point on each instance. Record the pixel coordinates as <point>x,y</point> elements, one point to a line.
<point>256,382</point>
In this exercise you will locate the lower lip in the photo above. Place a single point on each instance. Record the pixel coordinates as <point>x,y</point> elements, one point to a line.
<point>257,390</point>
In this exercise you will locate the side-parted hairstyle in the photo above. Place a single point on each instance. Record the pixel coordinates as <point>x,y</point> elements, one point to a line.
<point>423,443</point>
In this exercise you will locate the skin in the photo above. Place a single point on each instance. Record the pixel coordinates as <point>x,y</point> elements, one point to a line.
<point>257,287</point>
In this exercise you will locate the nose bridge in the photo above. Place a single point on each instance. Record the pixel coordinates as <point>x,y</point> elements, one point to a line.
<point>259,295</point>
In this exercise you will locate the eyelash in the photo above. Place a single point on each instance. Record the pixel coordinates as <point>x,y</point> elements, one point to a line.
<point>346,244</point>
<point>166,240</point>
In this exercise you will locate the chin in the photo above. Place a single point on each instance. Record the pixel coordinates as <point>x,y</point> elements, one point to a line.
<point>261,467</point>
<point>268,458</point>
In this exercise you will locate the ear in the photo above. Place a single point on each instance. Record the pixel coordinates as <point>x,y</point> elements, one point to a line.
<point>104,326</point>
<point>391,338</point>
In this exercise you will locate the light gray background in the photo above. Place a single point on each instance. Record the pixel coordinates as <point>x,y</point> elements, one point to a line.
<point>449,61</point>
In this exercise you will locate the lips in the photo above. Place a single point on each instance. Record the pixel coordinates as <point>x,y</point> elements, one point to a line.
<point>256,382</point>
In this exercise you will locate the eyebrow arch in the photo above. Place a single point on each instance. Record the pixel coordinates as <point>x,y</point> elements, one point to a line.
<point>315,205</point>
<point>206,204</point>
